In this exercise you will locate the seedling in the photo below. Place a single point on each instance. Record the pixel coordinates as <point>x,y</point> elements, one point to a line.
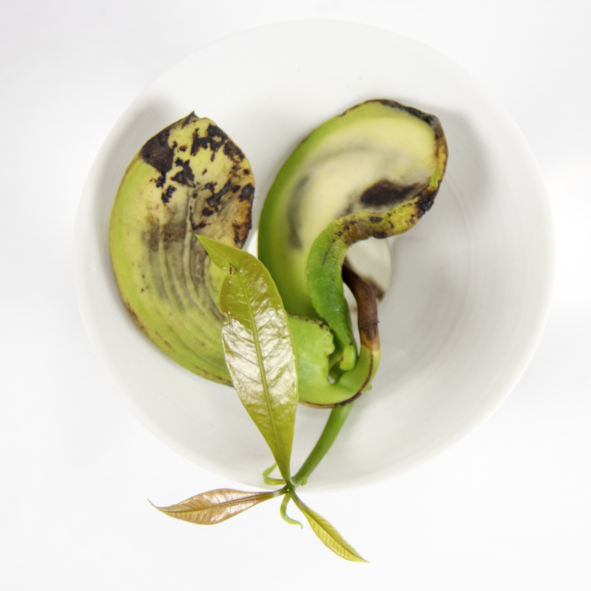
<point>277,329</point>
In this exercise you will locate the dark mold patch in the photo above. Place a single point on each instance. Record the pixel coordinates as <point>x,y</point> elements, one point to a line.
<point>237,233</point>
<point>185,176</point>
<point>231,150</point>
<point>157,153</point>
<point>188,119</point>
<point>247,192</point>
<point>214,139</point>
<point>195,226</point>
<point>431,120</point>
<point>424,204</point>
<point>167,195</point>
<point>375,219</point>
<point>214,200</point>
<point>385,193</point>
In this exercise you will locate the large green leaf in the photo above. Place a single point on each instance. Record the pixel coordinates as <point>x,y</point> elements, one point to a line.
<point>216,506</point>
<point>258,347</point>
<point>328,535</point>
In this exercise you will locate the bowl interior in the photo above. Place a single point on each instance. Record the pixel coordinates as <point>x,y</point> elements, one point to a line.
<point>469,287</point>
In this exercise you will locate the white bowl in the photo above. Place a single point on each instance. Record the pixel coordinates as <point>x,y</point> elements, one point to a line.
<point>470,286</point>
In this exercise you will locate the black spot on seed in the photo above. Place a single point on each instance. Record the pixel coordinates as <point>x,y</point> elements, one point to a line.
<point>204,171</point>
<point>157,153</point>
<point>424,204</point>
<point>207,212</point>
<point>167,195</point>
<point>431,120</point>
<point>247,192</point>
<point>380,235</point>
<point>385,193</point>
<point>185,176</point>
<point>214,200</point>
<point>237,236</point>
<point>214,139</point>
<point>231,150</point>
<point>375,219</point>
<point>246,171</point>
<point>190,117</point>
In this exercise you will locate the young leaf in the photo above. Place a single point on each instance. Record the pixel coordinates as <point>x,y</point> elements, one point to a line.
<point>258,347</point>
<point>216,506</point>
<point>283,511</point>
<point>267,477</point>
<point>328,535</point>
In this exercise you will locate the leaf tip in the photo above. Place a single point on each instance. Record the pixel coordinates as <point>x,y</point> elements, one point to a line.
<point>285,516</point>
<point>155,507</point>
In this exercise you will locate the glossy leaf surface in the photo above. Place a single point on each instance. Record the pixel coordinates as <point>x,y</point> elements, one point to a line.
<point>258,348</point>
<point>216,506</point>
<point>328,535</point>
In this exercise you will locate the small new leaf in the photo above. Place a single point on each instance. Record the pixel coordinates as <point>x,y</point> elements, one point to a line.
<point>283,511</point>
<point>328,535</point>
<point>271,481</point>
<point>216,506</point>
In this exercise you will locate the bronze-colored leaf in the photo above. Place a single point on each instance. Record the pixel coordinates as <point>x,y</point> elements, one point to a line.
<point>328,535</point>
<point>216,506</point>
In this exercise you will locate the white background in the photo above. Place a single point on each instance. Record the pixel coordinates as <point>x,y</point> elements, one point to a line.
<point>508,508</point>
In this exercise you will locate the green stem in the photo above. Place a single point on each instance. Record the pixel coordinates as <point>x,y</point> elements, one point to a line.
<point>332,428</point>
